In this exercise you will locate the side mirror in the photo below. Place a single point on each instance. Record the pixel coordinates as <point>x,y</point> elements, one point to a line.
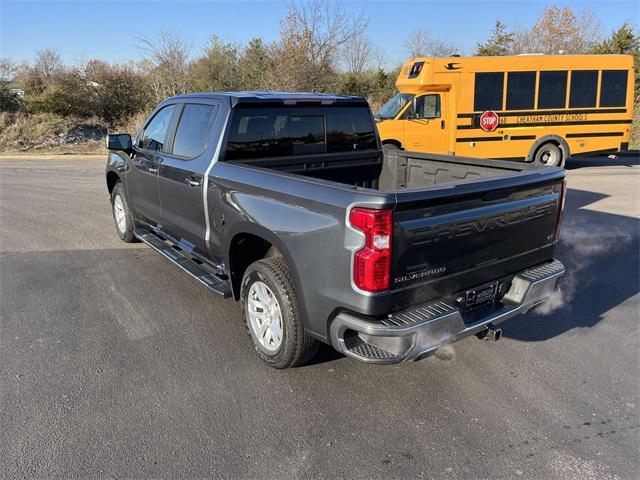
<point>119,141</point>
<point>414,108</point>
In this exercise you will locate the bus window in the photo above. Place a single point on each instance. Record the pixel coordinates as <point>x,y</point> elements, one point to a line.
<point>584,84</point>
<point>488,91</point>
<point>552,91</point>
<point>521,88</point>
<point>613,89</point>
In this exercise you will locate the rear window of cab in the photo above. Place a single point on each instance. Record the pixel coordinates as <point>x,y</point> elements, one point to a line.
<point>287,131</point>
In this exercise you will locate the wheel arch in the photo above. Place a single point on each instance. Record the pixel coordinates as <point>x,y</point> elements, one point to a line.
<point>557,140</point>
<point>392,141</point>
<point>112,178</point>
<point>249,243</point>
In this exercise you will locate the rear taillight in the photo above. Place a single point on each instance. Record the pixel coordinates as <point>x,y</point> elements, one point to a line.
<point>372,262</point>
<point>563,195</point>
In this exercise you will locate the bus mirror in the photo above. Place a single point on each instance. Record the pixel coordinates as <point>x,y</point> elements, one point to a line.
<point>410,114</point>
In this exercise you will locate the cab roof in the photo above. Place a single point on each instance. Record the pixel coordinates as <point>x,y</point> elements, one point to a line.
<point>249,97</point>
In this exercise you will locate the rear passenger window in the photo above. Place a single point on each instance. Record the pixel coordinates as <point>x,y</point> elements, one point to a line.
<point>584,84</point>
<point>191,134</point>
<point>521,90</point>
<point>488,91</point>
<point>613,89</point>
<point>155,133</point>
<point>552,90</point>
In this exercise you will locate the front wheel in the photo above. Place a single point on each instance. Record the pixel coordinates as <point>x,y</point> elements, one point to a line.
<point>548,155</point>
<point>390,147</point>
<point>271,316</point>
<point>122,214</point>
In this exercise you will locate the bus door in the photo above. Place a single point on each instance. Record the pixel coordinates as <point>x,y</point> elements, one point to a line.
<point>425,127</point>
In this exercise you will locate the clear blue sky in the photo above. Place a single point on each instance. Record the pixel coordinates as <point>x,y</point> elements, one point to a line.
<point>108,29</point>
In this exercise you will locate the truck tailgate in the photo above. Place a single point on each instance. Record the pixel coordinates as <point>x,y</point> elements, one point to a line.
<point>455,236</point>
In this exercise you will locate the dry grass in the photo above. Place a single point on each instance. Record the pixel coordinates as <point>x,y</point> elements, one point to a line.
<point>49,133</point>
<point>45,132</point>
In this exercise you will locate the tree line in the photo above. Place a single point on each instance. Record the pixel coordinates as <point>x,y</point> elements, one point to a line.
<point>320,48</point>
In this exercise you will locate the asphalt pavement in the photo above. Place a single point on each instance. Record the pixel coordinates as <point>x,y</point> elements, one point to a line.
<point>114,363</point>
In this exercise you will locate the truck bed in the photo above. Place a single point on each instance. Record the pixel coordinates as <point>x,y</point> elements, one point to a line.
<point>402,169</point>
<point>395,169</point>
<point>457,221</point>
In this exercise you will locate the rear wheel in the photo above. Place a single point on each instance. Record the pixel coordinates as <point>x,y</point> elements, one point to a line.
<point>271,316</point>
<point>548,155</point>
<point>122,214</point>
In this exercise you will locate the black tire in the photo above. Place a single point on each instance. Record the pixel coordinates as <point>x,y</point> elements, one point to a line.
<point>296,346</point>
<point>390,146</point>
<point>548,155</point>
<point>125,233</point>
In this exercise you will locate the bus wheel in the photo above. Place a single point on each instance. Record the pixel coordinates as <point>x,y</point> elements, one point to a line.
<point>390,146</point>
<point>548,155</point>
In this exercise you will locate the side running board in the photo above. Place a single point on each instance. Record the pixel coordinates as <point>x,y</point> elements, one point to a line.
<point>180,258</point>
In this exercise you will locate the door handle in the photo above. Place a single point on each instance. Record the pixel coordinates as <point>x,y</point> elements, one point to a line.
<point>192,181</point>
<point>442,124</point>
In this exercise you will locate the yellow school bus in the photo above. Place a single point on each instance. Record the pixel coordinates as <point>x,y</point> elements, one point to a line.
<point>535,108</point>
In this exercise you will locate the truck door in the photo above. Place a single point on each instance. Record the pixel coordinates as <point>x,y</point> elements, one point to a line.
<point>425,126</point>
<point>142,176</point>
<point>180,178</point>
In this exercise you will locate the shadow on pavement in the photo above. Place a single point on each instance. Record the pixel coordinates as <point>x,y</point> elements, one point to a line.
<point>623,159</point>
<point>600,253</point>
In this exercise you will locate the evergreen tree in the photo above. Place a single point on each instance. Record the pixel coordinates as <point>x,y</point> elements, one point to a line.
<point>622,41</point>
<point>626,41</point>
<point>499,43</point>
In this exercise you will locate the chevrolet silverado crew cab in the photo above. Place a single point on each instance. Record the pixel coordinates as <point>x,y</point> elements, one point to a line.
<point>286,203</point>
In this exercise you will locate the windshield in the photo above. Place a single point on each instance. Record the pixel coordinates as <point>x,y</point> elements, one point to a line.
<point>393,106</point>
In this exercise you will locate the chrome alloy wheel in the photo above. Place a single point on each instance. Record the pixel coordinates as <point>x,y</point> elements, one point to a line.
<point>264,316</point>
<point>119,214</point>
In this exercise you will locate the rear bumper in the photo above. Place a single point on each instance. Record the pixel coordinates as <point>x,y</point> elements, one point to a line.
<point>414,333</point>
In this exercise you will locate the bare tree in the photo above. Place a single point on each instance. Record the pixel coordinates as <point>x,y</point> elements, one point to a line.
<point>357,53</point>
<point>7,71</point>
<point>420,43</point>
<point>47,64</point>
<point>379,59</point>
<point>169,55</point>
<point>324,27</point>
<point>10,101</point>
<point>311,38</point>
<point>559,30</point>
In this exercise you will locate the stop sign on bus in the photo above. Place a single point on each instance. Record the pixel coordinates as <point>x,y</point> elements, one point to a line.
<point>489,121</point>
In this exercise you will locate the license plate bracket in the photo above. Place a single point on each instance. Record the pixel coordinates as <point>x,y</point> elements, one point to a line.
<point>479,297</point>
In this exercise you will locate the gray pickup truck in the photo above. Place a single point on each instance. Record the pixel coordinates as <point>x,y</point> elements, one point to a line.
<point>287,203</point>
